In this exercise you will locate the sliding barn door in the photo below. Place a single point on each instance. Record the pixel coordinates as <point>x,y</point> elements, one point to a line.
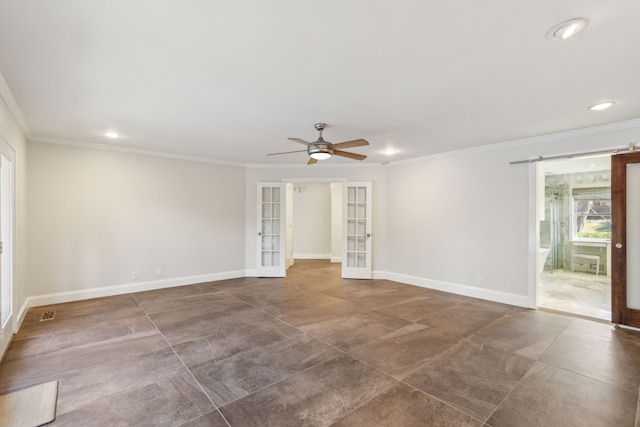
<point>625,256</point>
<point>356,243</point>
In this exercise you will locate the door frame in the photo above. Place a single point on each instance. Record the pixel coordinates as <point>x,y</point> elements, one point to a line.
<point>357,272</point>
<point>621,313</point>
<point>8,262</point>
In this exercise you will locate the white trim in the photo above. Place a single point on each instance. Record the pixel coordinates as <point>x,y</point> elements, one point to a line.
<point>12,105</point>
<point>126,288</point>
<point>336,259</point>
<point>594,130</point>
<point>454,288</point>
<point>314,180</point>
<point>534,235</point>
<point>129,150</point>
<point>316,166</point>
<point>311,256</point>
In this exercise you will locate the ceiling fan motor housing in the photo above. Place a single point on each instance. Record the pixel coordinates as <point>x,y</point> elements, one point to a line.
<point>320,150</point>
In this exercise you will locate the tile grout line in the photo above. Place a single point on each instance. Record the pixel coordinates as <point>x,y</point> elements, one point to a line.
<point>183,364</point>
<point>536,360</point>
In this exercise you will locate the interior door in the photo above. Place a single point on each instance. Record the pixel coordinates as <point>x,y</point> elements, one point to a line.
<point>7,322</point>
<point>271,233</point>
<point>356,244</point>
<point>625,256</point>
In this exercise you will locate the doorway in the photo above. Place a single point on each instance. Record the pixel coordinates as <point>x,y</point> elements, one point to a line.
<point>575,236</point>
<point>314,224</point>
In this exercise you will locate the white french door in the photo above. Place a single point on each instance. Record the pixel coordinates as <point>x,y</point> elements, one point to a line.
<point>7,316</point>
<point>271,229</point>
<point>356,243</point>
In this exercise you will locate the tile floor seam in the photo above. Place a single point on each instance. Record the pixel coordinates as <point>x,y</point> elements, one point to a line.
<point>589,377</point>
<point>443,402</point>
<point>536,360</point>
<point>191,374</point>
<point>364,403</point>
<point>344,352</point>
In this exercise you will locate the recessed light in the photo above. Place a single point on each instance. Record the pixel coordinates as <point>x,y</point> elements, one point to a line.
<point>390,151</point>
<point>566,29</point>
<point>111,134</point>
<point>601,106</point>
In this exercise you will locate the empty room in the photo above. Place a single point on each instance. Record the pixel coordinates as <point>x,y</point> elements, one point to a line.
<point>287,213</point>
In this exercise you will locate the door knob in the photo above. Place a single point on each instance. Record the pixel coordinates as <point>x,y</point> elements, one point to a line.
<point>368,235</point>
<point>618,245</point>
<point>259,233</point>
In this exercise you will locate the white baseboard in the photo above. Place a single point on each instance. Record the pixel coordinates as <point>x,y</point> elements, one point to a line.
<point>336,259</point>
<point>454,288</point>
<point>127,288</point>
<point>311,256</point>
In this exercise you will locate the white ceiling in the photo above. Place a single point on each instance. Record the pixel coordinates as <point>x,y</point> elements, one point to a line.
<point>231,80</point>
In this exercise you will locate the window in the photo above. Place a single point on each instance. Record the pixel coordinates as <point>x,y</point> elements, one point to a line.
<point>592,212</point>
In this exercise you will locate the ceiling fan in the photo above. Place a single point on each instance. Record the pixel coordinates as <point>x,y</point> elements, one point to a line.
<point>321,149</point>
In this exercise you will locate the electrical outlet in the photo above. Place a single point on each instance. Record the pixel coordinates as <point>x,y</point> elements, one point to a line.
<point>480,281</point>
<point>136,276</point>
<point>158,272</point>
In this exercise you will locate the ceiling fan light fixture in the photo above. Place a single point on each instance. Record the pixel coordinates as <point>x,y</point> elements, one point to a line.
<point>320,151</point>
<point>320,155</point>
<point>567,29</point>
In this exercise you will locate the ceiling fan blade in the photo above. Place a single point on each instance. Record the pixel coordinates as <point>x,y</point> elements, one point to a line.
<point>301,141</point>
<point>312,161</point>
<point>287,152</point>
<point>349,144</point>
<point>349,155</point>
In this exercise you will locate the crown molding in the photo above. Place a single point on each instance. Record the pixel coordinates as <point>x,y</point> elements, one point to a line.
<point>593,130</point>
<point>129,150</point>
<point>305,166</point>
<point>12,105</point>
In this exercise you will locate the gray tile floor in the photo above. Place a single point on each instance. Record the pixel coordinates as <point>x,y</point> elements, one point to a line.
<point>316,350</point>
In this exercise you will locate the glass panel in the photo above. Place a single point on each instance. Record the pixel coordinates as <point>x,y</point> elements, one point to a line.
<point>351,194</point>
<point>276,227</point>
<point>351,243</point>
<point>266,194</point>
<point>362,194</point>
<point>351,210</point>
<point>362,228</point>
<point>362,210</point>
<point>266,226</point>
<point>633,235</point>
<point>275,209</point>
<point>351,227</point>
<point>275,259</point>
<point>361,260</point>
<point>266,243</point>
<point>351,259</point>
<point>362,244</point>
<point>276,195</point>
<point>266,259</point>
<point>266,210</point>
<point>275,242</point>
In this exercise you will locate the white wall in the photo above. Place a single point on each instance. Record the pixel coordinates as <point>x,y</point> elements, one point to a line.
<point>95,216</point>
<point>457,217</point>
<point>336,222</point>
<point>312,220</point>
<point>328,173</point>
<point>13,137</point>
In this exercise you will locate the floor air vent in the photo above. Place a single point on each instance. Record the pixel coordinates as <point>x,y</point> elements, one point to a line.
<point>48,315</point>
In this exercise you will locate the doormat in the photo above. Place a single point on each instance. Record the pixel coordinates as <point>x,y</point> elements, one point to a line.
<point>29,407</point>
